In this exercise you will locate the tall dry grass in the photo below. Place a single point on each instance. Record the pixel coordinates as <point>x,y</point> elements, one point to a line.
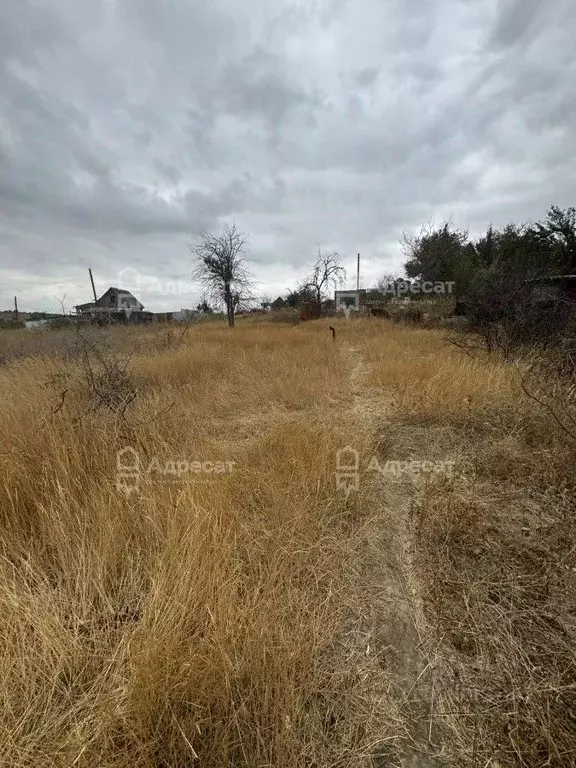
<point>258,617</point>
<point>494,545</point>
<point>202,620</point>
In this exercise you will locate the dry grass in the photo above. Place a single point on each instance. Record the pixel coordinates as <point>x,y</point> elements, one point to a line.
<point>204,620</point>
<point>258,617</point>
<point>494,547</point>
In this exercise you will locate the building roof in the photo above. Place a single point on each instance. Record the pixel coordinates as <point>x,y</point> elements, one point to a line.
<point>121,292</point>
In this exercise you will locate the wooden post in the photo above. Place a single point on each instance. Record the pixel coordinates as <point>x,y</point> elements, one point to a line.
<point>16,311</point>
<point>92,281</point>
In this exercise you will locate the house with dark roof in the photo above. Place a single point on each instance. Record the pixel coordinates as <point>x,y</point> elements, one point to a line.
<point>116,305</point>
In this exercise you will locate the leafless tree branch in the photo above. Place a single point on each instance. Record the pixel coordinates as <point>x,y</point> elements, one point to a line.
<point>219,264</point>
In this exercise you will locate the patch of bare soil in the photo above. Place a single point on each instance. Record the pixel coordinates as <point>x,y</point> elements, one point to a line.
<point>396,620</point>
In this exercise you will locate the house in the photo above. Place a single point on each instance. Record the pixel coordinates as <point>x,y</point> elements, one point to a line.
<point>116,305</point>
<point>349,300</point>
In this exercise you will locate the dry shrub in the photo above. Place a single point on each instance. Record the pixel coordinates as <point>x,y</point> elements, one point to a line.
<point>67,343</point>
<point>286,315</point>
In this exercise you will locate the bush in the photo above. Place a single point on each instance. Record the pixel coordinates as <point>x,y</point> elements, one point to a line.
<point>285,315</point>
<point>9,323</point>
<point>508,314</point>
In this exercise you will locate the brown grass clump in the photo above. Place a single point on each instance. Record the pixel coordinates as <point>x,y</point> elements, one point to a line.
<point>498,575</point>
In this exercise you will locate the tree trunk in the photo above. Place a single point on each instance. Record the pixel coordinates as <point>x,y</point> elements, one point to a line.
<point>229,299</point>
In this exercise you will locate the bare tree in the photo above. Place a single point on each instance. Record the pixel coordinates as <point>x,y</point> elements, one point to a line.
<point>219,264</point>
<point>326,272</point>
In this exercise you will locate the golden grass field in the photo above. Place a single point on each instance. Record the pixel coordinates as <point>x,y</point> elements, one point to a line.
<point>259,616</point>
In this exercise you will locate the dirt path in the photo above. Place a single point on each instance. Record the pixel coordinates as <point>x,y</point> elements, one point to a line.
<point>397,618</point>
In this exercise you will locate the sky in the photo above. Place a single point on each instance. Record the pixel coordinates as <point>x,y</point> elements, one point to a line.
<point>129,126</point>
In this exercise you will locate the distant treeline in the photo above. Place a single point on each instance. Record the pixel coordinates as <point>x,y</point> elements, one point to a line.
<point>527,251</point>
<point>515,285</point>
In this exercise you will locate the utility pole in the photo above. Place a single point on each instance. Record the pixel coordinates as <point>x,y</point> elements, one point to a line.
<point>92,281</point>
<point>16,311</point>
<point>358,274</point>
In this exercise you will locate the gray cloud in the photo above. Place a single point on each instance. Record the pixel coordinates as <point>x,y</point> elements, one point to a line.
<point>516,20</point>
<point>129,125</point>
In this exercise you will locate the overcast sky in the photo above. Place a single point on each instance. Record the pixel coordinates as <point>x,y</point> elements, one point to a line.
<point>127,126</point>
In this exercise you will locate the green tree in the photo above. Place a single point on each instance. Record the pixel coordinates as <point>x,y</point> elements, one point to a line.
<point>441,254</point>
<point>517,250</point>
<point>299,295</point>
<point>558,233</point>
